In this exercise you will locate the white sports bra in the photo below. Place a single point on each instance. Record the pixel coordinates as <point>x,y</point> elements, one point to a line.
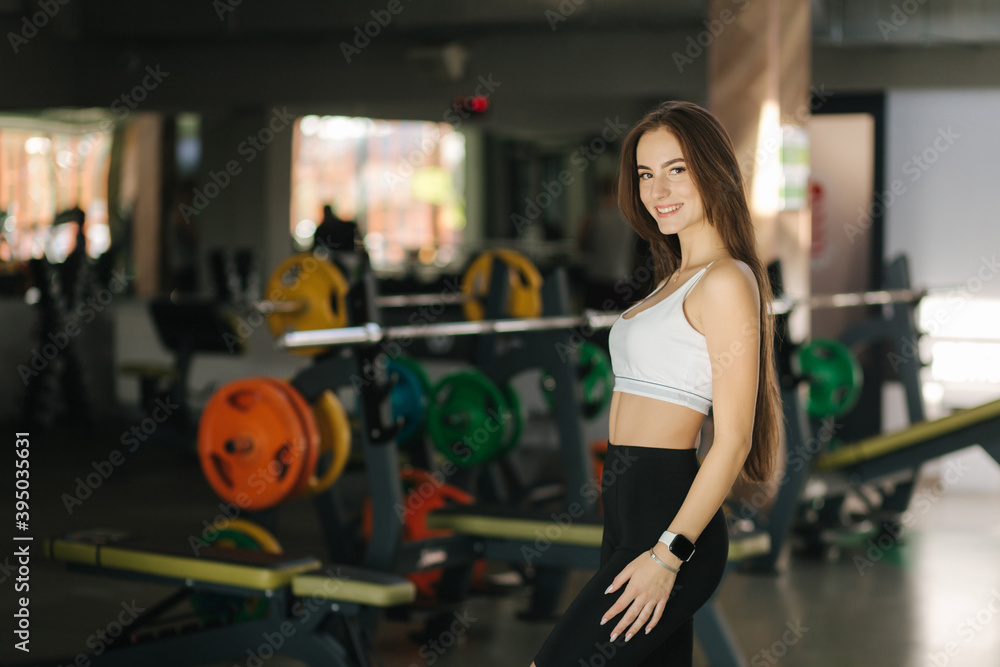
<point>657,353</point>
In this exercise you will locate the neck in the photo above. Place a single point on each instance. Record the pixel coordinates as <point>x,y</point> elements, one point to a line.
<point>700,246</point>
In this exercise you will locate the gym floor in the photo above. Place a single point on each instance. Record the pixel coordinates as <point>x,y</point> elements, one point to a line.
<point>931,600</point>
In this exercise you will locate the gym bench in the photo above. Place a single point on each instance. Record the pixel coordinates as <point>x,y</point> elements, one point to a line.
<point>304,598</point>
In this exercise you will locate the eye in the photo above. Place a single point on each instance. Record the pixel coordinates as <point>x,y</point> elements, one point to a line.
<point>677,170</point>
<point>644,174</point>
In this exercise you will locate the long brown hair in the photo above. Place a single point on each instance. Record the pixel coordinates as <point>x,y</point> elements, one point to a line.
<point>711,158</point>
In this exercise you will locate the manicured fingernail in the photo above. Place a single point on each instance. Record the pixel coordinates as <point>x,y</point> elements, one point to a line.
<point>647,630</point>
<point>614,636</point>
<point>628,636</point>
<point>608,589</point>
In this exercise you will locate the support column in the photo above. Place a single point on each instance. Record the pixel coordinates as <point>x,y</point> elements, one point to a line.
<point>758,83</point>
<point>758,87</point>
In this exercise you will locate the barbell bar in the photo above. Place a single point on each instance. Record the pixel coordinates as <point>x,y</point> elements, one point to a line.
<point>849,300</point>
<point>373,333</point>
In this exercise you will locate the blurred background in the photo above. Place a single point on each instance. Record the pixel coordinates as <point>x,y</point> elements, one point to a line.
<point>178,152</point>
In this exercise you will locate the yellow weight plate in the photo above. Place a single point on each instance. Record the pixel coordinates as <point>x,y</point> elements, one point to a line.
<point>524,297</point>
<point>318,287</point>
<point>335,437</point>
<point>268,542</point>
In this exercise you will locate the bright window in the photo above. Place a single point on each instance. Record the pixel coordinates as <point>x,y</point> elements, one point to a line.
<point>47,167</point>
<point>402,181</point>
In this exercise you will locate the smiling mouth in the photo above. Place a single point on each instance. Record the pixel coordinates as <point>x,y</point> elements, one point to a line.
<point>667,210</point>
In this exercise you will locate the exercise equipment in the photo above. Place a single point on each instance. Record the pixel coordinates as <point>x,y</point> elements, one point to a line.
<point>238,534</point>
<point>524,298</point>
<point>410,391</point>
<point>339,632</point>
<point>893,459</point>
<point>785,305</point>
<point>470,420</point>
<point>187,328</point>
<point>424,494</point>
<point>596,380</point>
<point>258,443</point>
<point>833,374</point>
<point>372,332</point>
<point>306,293</point>
<point>335,441</point>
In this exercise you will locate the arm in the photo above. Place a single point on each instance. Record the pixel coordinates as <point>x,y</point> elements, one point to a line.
<point>731,322</point>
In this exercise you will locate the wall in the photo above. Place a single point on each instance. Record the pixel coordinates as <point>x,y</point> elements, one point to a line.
<point>942,153</point>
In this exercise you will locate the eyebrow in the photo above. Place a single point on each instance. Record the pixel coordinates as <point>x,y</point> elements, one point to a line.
<point>665,164</point>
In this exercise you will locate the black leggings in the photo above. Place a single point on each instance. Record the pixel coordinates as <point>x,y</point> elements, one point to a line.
<point>643,488</point>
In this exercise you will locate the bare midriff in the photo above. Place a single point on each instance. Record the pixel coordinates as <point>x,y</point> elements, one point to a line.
<point>641,421</point>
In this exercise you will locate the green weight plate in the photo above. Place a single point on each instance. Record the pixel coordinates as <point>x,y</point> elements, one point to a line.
<point>834,376</point>
<point>595,380</point>
<point>466,418</point>
<point>598,380</point>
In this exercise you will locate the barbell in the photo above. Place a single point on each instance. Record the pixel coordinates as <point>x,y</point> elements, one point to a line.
<point>372,333</point>
<point>308,293</point>
<point>784,305</point>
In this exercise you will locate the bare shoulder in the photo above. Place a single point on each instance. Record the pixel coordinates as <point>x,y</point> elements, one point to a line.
<point>726,293</point>
<point>730,283</point>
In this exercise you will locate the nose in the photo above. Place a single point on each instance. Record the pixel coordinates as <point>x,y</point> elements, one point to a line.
<point>661,186</point>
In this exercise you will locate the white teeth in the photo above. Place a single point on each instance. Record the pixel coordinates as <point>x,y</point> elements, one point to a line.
<point>669,209</point>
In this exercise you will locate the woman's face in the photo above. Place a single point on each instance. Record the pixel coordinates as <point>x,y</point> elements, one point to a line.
<point>665,185</point>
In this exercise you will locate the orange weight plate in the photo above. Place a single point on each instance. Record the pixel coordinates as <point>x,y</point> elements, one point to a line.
<point>309,427</point>
<point>252,445</point>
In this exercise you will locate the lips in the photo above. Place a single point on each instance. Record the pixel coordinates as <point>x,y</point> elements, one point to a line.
<point>665,211</point>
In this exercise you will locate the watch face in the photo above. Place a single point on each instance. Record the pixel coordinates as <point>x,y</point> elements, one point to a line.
<point>681,547</point>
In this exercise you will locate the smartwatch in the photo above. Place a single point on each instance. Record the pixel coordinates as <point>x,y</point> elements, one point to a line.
<point>679,545</point>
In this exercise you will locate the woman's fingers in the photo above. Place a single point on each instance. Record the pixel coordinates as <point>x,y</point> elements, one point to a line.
<point>634,608</point>
<point>657,613</point>
<point>640,620</point>
<point>620,580</point>
<point>618,607</point>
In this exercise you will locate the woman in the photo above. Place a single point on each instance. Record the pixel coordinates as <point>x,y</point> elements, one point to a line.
<point>701,339</point>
